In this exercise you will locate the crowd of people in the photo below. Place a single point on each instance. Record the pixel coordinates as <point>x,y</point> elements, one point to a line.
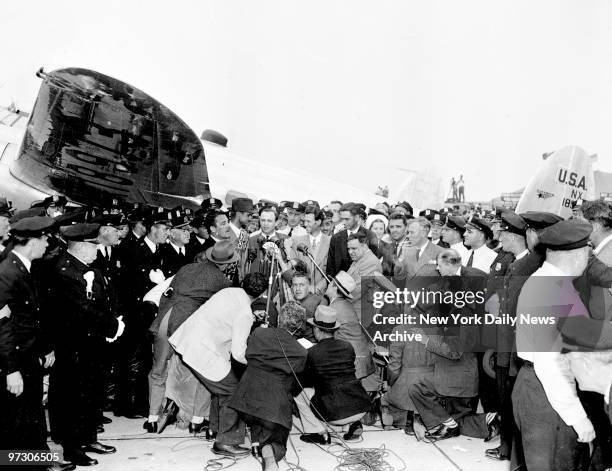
<point>249,320</point>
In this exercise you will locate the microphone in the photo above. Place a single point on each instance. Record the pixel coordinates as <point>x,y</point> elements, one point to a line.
<point>270,247</point>
<point>303,248</point>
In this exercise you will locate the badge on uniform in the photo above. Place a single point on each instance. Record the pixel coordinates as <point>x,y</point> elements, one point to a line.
<point>497,266</point>
<point>5,312</point>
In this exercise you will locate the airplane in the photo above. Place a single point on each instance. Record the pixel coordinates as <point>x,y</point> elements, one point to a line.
<point>95,138</point>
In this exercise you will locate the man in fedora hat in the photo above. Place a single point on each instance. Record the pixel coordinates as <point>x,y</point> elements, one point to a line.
<point>193,285</point>
<point>339,295</point>
<point>339,397</point>
<point>214,333</point>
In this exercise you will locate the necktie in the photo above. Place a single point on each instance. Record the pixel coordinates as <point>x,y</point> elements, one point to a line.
<point>290,232</point>
<point>471,260</point>
<point>181,251</point>
<point>314,244</point>
<point>418,254</point>
<point>107,250</point>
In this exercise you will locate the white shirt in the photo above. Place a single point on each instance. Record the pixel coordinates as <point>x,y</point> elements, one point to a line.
<point>463,251</point>
<point>524,253</point>
<point>235,229</point>
<point>200,240</point>
<point>25,261</point>
<point>104,249</point>
<point>483,258</point>
<point>316,240</point>
<point>297,231</point>
<point>551,367</point>
<point>178,249</point>
<point>217,329</point>
<point>150,244</point>
<point>602,244</point>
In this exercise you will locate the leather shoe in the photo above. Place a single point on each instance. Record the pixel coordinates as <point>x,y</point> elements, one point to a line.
<point>210,435</point>
<point>354,432</point>
<point>316,438</point>
<point>443,433</point>
<point>79,458</point>
<point>150,427</point>
<point>234,451</point>
<point>100,429</point>
<point>496,454</point>
<point>99,448</point>
<point>494,428</point>
<point>61,466</point>
<point>105,420</point>
<point>409,428</point>
<point>168,416</point>
<point>194,429</point>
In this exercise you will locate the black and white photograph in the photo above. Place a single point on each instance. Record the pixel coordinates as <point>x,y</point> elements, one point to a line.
<point>282,235</point>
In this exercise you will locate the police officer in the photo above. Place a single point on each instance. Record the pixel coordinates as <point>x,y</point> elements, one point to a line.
<point>554,425</point>
<point>141,268</point>
<point>174,252</point>
<point>83,322</point>
<point>25,348</point>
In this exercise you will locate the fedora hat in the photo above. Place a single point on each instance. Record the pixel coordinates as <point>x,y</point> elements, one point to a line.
<point>345,283</point>
<point>222,252</point>
<point>325,318</point>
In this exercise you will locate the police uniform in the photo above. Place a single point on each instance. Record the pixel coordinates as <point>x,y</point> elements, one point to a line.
<point>83,320</point>
<point>135,363</point>
<point>545,400</point>
<point>173,257</point>
<point>24,341</point>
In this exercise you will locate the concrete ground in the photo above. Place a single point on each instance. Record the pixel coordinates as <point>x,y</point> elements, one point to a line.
<point>175,449</point>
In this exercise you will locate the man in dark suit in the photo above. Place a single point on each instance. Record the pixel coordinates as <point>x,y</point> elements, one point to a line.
<point>339,398</point>
<point>107,262</point>
<point>338,258</point>
<point>257,259</point>
<point>264,395</point>
<point>198,237</point>
<point>447,401</point>
<point>174,252</point>
<point>83,324</point>
<point>25,342</point>
<point>141,272</point>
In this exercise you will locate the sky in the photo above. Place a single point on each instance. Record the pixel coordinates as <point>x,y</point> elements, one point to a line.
<point>349,89</point>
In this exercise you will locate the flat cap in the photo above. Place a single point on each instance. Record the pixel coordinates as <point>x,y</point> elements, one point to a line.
<point>456,223</point>
<point>432,216</point>
<point>311,203</point>
<point>566,235</point>
<point>406,205</point>
<point>244,205</point>
<point>161,216</point>
<point>377,212</point>
<point>211,203</point>
<point>71,217</point>
<point>26,213</point>
<point>299,207</point>
<point>34,226</point>
<point>180,217</point>
<point>138,214</point>
<point>80,232</point>
<point>512,222</point>
<point>55,200</point>
<point>540,219</point>
<point>109,220</point>
<point>480,225</point>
